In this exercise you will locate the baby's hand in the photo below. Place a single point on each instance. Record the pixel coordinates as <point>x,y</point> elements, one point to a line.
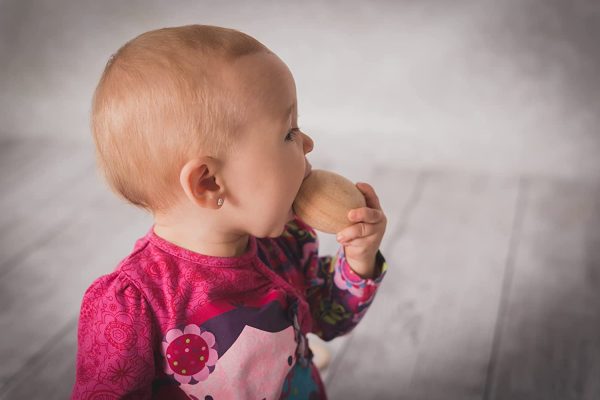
<point>362,239</point>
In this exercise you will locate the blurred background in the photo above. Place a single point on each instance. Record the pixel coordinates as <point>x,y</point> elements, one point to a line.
<point>477,122</point>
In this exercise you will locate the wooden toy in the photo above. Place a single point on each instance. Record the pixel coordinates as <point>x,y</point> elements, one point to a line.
<point>324,200</point>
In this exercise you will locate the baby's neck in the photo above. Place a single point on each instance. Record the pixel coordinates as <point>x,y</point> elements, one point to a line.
<point>196,237</point>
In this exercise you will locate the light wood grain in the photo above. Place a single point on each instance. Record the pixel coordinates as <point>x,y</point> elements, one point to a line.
<point>52,370</point>
<point>42,173</point>
<point>429,332</point>
<point>41,292</point>
<point>396,190</point>
<point>60,273</point>
<point>48,183</point>
<point>20,159</point>
<point>549,344</point>
<point>491,292</point>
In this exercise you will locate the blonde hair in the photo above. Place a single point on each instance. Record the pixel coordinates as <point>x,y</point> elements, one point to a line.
<point>160,101</point>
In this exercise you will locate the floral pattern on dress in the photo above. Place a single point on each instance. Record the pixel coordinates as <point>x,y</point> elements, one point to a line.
<point>163,299</point>
<point>119,333</point>
<point>189,353</point>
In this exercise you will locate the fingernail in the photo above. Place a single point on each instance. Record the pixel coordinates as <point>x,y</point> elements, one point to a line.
<point>340,238</point>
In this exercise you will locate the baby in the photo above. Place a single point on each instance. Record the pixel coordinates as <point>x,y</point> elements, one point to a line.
<point>198,126</point>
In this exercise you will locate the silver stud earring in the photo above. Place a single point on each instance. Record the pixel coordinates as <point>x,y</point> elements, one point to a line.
<point>220,202</point>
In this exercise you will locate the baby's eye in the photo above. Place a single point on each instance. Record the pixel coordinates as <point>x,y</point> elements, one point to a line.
<point>291,134</point>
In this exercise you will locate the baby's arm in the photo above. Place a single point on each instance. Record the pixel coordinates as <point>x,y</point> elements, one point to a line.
<point>114,355</point>
<point>337,296</point>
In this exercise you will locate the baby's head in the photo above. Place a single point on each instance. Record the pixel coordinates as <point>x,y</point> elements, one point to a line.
<point>185,116</point>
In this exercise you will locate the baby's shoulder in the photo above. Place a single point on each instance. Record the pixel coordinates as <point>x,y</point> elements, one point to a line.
<point>111,296</point>
<point>123,282</point>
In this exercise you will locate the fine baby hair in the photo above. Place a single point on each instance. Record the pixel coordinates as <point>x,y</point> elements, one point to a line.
<point>160,100</point>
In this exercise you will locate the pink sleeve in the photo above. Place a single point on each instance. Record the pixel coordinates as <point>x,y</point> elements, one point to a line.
<point>114,342</point>
<point>337,296</point>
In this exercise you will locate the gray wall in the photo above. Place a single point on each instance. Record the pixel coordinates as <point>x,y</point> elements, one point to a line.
<point>503,87</point>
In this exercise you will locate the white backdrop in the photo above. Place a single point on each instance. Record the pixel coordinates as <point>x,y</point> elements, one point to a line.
<point>504,87</point>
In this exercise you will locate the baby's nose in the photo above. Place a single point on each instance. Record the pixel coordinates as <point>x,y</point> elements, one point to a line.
<point>308,144</point>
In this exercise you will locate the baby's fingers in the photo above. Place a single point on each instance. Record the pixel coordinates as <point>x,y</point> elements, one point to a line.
<point>356,231</point>
<point>366,214</point>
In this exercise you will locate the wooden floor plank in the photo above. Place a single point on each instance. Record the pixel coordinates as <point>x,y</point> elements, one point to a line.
<point>20,158</point>
<point>46,288</point>
<point>395,189</point>
<point>431,328</point>
<point>47,173</point>
<point>30,225</point>
<point>12,150</point>
<point>549,344</point>
<point>52,370</point>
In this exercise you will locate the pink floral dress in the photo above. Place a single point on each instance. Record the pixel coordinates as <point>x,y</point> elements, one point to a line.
<point>174,324</point>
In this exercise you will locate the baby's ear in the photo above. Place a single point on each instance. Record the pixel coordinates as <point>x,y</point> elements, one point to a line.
<point>197,178</point>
